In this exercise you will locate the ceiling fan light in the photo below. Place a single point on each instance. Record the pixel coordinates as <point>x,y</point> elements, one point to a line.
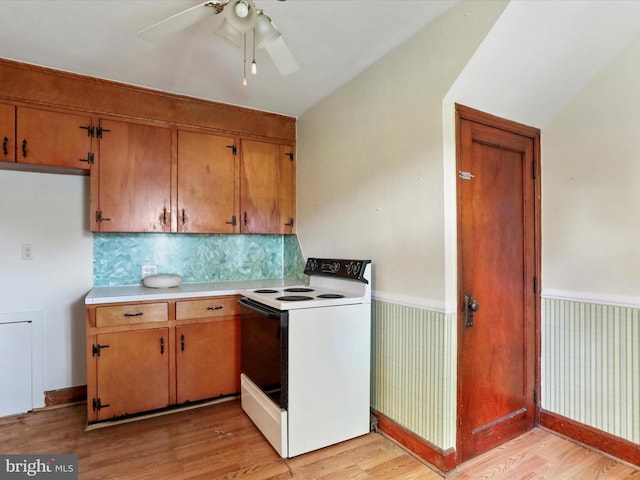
<point>227,31</point>
<point>241,23</point>
<point>265,31</point>
<point>242,9</point>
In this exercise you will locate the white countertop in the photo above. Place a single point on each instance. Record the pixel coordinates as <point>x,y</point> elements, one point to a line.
<point>137,293</point>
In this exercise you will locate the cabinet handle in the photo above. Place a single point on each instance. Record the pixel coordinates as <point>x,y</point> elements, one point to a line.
<point>184,217</point>
<point>290,223</point>
<point>233,221</point>
<point>164,216</point>
<point>217,307</point>
<point>182,343</point>
<point>245,219</point>
<point>24,148</point>
<point>138,314</point>
<point>5,145</point>
<point>161,345</point>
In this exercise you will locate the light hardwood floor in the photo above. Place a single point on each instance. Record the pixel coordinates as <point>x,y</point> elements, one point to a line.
<point>220,442</point>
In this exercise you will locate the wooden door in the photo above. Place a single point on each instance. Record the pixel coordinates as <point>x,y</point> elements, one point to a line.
<point>265,188</point>
<point>132,372</point>
<point>7,133</point>
<point>497,275</point>
<point>134,178</point>
<point>207,200</point>
<point>53,138</point>
<point>207,360</point>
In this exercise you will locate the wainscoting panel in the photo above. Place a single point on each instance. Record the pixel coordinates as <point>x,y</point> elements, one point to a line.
<point>414,370</point>
<point>591,364</point>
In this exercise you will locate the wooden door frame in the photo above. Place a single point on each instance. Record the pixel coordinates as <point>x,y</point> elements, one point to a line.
<point>470,114</point>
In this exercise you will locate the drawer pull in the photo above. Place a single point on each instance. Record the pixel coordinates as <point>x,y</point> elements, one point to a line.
<point>139,314</point>
<point>217,307</point>
<point>161,345</point>
<point>182,343</point>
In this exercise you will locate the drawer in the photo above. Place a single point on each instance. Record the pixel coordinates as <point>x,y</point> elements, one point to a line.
<point>209,307</point>
<point>131,314</point>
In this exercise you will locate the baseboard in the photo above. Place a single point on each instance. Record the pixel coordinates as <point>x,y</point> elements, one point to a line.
<point>592,437</point>
<point>64,396</point>
<point>443,461</point>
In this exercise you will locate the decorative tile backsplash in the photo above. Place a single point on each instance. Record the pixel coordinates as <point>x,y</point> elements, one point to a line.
<point>198,258</point>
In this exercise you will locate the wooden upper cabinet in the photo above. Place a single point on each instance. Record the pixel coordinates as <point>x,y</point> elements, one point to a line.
<point>7,133</point>
<point>133,178</point>
<point>288,189</point>
<point>267,195</point>
<point>53,138</point>
<point>207,193</point>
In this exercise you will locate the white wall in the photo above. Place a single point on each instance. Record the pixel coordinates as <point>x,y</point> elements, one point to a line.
<point>50,212</point>
<point>591,188</point>
<point>370,160</point>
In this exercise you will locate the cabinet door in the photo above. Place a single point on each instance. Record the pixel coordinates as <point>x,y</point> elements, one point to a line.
<point>134,178</point>
<point>7,133</point>
<point>53,138</point>
<point>132,372</point>
<point>265,188</point>
<point>287,189</point>
<point>207,360</point>
<point>207,200</point>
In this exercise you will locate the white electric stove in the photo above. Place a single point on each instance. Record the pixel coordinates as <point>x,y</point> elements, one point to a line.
<point>306,357</point>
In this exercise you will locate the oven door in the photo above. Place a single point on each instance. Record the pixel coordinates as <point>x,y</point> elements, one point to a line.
<point>264,349</point>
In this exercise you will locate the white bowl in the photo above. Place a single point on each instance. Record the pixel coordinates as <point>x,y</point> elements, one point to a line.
<point>162,281</point>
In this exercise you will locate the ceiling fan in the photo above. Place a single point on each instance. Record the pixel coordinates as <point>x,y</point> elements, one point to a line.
<point>239,18</point>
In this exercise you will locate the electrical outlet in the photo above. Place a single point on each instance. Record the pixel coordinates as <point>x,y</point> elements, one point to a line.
<point>149,270</point>
<point>27,251</point>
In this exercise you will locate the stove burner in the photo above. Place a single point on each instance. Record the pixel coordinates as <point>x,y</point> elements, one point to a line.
<point>331,295</point>
<point>298,289</point>
<point>294,298</point>
<point>265,290</point>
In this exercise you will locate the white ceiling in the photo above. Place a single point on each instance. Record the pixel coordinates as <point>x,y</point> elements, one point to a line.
<point>333,41</point>
<point>539,54</point>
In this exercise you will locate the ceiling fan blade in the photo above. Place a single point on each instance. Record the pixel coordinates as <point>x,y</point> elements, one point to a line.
<point>179,21</point>
<point>282,56</point>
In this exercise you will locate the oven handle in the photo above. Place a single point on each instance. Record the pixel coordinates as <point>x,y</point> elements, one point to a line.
<point>260,307</point>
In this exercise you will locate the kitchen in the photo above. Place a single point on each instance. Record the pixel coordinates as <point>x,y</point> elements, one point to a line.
<point>387,168</point>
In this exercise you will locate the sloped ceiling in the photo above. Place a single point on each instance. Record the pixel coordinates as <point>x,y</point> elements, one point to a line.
<point>333,41</point>
<point>539,54</point>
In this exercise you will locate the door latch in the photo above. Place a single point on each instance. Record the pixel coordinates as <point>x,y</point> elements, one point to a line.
<point>470,306</point>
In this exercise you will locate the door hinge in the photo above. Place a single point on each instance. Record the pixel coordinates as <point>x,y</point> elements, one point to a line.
<point>97,405</point>
<point>290,223</point>
<point>233,148</point>
<point>465,175</point>
<point>290,155</point>
<point>100,218</point>
<point>91,130</point>
<point>90,159</point>
<point>96,347</point>
<point>233,221</point>
<point>100,131</point>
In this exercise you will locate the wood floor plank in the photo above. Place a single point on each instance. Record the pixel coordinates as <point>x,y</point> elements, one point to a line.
<point>219,442</point>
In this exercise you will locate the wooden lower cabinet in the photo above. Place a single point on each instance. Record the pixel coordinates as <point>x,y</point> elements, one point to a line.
<point>207,360</point>
<point>147,356</point>
<point>132,372</point>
